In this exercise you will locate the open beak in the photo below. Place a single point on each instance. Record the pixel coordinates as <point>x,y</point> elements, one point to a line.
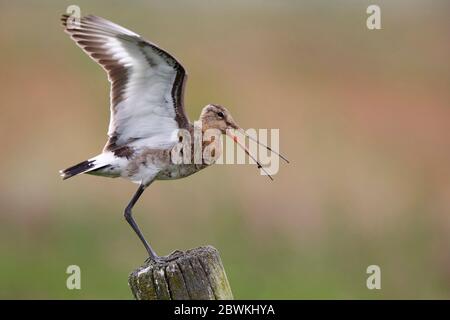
<point>240,144</point>
<point>263,145</point>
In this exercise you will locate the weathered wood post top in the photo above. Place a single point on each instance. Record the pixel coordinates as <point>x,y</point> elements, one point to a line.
<point>196,274</point>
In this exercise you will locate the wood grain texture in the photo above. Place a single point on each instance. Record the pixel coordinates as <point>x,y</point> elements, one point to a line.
<point>196,274</point>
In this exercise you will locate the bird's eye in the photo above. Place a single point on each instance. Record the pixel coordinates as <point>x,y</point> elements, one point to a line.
<point>220,114</point>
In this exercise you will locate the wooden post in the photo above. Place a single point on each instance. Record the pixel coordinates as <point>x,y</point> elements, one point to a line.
<point>196,274</point>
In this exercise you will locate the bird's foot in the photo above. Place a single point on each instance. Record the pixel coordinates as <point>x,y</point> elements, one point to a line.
<point>155,259</point>
<point>163,259</point>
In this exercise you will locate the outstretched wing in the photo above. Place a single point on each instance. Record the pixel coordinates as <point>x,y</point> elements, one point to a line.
<point>147,83</point>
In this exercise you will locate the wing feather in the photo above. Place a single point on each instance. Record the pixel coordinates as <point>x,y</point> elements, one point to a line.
<point>147,83</point>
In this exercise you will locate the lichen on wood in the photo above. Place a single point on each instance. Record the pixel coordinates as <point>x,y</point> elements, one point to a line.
<point>196,274</point>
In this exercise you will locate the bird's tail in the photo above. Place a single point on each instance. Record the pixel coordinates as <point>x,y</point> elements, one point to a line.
<point>91,165</point>
<point>77,169</point>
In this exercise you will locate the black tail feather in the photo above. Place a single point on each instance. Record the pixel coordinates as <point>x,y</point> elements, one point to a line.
<point>77,169</point>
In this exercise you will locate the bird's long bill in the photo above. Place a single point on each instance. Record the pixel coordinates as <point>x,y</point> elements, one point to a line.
<point>236,140</point>
<point>263,145</point>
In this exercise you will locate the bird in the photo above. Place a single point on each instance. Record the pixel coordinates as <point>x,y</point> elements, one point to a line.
<point>147,111</point>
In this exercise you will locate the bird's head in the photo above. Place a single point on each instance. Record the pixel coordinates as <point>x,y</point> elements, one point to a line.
<point>217,117</point>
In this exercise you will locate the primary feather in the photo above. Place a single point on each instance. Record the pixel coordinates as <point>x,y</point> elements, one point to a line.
<point>147,83</point>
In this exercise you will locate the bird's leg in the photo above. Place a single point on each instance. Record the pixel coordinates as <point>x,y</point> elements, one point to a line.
<point>128,216</point>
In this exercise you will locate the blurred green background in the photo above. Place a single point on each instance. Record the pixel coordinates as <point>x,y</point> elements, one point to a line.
<point>364,117</point>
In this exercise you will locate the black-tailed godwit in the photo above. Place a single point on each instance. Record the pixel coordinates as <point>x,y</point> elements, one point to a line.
<point>147,110</point>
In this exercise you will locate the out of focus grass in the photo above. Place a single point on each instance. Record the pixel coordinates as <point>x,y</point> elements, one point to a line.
<point>267,265</point>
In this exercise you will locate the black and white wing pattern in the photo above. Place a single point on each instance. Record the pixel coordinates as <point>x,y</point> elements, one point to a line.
<point>147,83</point>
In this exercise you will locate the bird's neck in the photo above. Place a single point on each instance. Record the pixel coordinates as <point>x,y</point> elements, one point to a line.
<point>195,130</point>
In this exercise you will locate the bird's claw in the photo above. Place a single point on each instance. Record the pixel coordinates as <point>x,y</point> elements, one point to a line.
<point>155,259</point>
<point>164,259</point>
